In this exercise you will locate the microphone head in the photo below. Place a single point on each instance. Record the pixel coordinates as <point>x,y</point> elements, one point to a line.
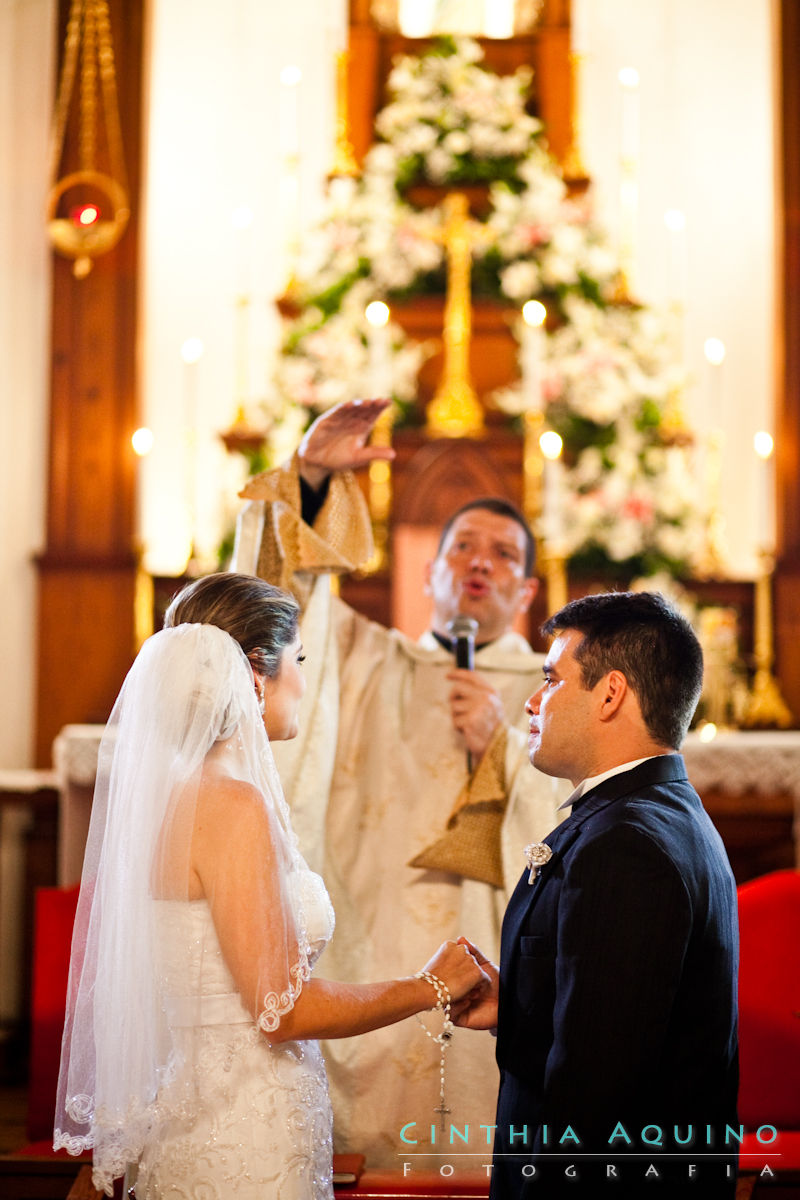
<point>462,627</point>
<point>462,630</point>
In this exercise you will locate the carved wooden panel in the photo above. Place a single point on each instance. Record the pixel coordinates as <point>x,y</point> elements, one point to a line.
<point>433,478</point>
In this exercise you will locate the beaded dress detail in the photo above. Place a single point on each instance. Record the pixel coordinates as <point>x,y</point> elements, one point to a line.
<point>258,1117</point>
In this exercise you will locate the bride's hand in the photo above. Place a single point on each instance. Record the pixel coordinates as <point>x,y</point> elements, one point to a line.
<point>455,966</point>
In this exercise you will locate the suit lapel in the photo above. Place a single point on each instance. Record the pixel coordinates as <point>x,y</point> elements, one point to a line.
<point>526,894</point>
<point>665,768</point>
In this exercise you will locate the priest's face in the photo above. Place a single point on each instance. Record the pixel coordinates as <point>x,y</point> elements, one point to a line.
<point>479,572</point>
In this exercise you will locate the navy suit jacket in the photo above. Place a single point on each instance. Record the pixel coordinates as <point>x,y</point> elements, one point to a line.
<point>617,1008</point>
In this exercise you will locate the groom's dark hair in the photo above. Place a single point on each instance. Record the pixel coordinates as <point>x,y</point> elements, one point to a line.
<point>651,643</point>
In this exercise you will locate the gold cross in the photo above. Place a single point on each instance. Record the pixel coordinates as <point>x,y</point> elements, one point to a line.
<point>455,410</point>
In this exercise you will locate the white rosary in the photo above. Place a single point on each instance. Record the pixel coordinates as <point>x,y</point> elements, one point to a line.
<point>443,1038</point>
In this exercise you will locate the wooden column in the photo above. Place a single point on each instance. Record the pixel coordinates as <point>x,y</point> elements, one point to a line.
<point>787,583</point>
<point>87,571</point>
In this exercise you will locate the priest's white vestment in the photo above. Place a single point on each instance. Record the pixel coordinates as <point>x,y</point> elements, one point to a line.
<point>377,777</point>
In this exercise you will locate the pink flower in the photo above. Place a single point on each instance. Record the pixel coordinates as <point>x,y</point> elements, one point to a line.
<point>638,508</point>
<point>534,235</point>
<point>595,360</point>
<point>552,386</point>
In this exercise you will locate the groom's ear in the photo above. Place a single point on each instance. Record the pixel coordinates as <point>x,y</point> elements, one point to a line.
<point>612,691</point>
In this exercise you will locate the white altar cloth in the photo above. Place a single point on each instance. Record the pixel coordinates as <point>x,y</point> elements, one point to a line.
<point>735,762</point>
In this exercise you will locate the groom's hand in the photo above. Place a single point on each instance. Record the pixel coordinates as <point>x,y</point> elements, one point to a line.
<point>478,1009</point>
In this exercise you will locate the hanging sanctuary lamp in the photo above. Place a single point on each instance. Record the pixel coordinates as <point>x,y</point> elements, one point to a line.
<point>99,212</point>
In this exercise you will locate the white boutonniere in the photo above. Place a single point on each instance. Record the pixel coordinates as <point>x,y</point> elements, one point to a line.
<point>536,855</point>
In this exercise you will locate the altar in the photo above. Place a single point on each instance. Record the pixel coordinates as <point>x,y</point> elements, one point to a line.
<point>749,782</point>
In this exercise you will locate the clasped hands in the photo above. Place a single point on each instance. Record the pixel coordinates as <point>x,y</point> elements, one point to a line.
<point>472,981</point>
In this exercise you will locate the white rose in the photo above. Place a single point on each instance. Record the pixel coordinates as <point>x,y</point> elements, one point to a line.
<point>420,139</point>
<point>520,281</point>
<point>457,142</point>
<point>439,164</point>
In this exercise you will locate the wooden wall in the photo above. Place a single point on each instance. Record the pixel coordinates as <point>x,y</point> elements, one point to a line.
<point>88,568</point>
<point>787,588</point>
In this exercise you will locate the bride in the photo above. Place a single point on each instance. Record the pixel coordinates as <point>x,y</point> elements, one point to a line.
<point>189,1048</point>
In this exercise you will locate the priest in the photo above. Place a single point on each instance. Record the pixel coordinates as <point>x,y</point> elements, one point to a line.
<point>409,782</point>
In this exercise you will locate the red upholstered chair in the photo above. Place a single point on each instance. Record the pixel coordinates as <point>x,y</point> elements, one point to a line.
<point>35,1169</point>
<point>52,937</point>
<point>769,1023</point>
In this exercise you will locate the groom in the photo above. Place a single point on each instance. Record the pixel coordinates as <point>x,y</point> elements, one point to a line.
<point>615,1000</point>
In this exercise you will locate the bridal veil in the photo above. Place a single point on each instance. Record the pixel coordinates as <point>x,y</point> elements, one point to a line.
<point>188,703</point>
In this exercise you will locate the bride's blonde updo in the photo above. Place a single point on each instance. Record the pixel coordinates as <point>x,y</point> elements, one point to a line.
<point>260,617</point>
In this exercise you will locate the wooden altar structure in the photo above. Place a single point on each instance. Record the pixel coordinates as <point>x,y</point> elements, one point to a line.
<point>88,570</point>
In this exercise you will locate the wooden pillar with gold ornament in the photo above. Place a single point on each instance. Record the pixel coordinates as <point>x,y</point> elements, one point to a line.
<point>88,569</point>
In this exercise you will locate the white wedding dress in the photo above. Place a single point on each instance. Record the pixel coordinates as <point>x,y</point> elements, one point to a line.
<point>258,1121</point>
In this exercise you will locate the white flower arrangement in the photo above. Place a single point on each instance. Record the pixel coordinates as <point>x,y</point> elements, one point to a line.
<point>608,372</point>
<point>451,120</point>
<point>327,361</point>
<point>608,377</point>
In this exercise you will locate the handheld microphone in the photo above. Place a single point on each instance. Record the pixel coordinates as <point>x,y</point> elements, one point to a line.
<point>462,630</point>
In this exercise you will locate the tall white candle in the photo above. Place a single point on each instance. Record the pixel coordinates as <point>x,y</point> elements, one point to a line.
<point>629,184</point>
<point>553,507</point>
<point>533,315</point>
<point>242,218</point>
<point>765,533</point>
<point>675,222</point>
<point>714,350</point>
<point>289,111</point>
<point>676,278</point>
<point>629,141</point>
<point>379,351</point>
<point>337,24</point>
<point>289,132</point>
<point>579,26</point>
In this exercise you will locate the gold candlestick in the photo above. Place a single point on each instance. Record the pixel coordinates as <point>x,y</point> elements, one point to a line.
<point>380,496</point>
<point>455,410</point>
<point>766,709</point>
<point>572,165</point>
<point>555,573</point>
<point>344,159</point>
<point>532,465</point>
